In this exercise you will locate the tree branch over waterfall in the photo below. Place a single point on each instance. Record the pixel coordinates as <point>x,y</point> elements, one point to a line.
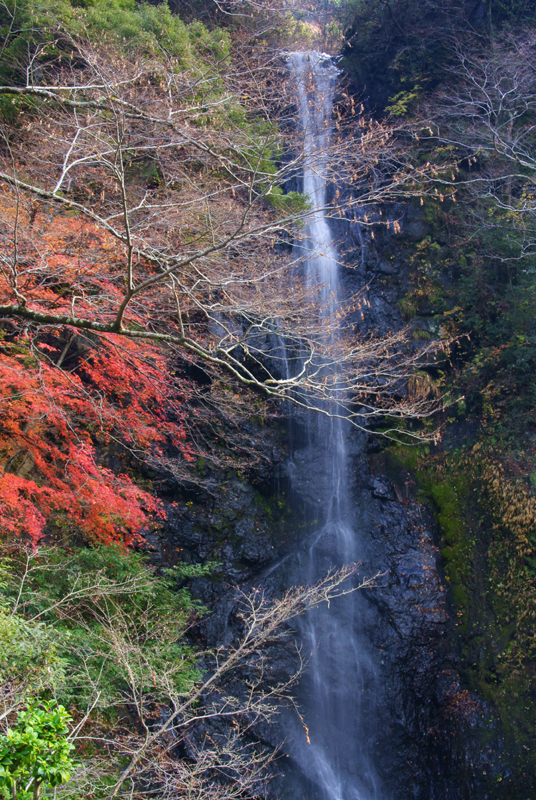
<point>175,229</point>
<point>151,717</point>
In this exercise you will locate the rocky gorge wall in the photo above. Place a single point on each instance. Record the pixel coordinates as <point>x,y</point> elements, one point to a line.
<point>434,739</point>
<point>444,740</point>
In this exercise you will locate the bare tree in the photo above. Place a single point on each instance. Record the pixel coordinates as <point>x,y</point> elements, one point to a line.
<point>146,201</point>
<point>486,119</point>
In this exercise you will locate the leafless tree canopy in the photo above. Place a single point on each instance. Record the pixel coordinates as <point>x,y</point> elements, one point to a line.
<point>486,119</point>
<point>145,200</point>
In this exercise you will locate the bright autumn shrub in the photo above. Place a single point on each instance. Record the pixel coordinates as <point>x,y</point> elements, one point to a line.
<point>51,421</point>
<point>66,396</point>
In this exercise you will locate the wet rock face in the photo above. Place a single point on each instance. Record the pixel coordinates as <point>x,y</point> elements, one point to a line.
<point>430,731</point>
<point>382,489</point>
<point>412,621</point>
<point>436,740</point>
<point>236,525</point>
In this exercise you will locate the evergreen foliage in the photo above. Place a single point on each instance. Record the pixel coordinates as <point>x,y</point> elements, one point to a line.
<point>35,753</point>
<point>83,628</point>
<point>47,30</point>
<point>399,49</point>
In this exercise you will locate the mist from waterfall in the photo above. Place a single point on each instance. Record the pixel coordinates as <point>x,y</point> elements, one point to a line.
<point>334,746</point>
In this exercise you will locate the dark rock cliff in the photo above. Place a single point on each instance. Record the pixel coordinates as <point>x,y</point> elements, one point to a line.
<point>434,738</point>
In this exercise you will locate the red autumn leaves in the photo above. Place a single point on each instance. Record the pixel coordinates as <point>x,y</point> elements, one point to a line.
<point>70,400</point>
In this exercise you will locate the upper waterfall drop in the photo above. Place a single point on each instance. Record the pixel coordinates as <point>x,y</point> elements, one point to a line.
<point>316,79</point>
<point>338,687</point>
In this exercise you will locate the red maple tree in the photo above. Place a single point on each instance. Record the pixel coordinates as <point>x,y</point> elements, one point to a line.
<point>67,397</point>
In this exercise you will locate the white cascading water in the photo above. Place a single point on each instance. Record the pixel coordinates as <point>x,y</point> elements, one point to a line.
<point>334,747</point>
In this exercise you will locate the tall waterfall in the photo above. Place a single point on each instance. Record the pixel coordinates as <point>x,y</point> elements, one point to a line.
<point>333,747</point>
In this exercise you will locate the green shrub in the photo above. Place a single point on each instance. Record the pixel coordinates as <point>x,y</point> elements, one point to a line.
<point>36,752</point>
<point>69,618</point>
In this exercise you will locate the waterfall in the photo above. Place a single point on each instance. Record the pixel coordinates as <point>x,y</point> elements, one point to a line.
<point>333,747</point>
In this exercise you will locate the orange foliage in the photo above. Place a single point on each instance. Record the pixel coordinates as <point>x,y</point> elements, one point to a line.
<point>65,264</point>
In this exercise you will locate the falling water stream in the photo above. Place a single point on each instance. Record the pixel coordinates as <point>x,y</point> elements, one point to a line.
<point>333,745</point>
